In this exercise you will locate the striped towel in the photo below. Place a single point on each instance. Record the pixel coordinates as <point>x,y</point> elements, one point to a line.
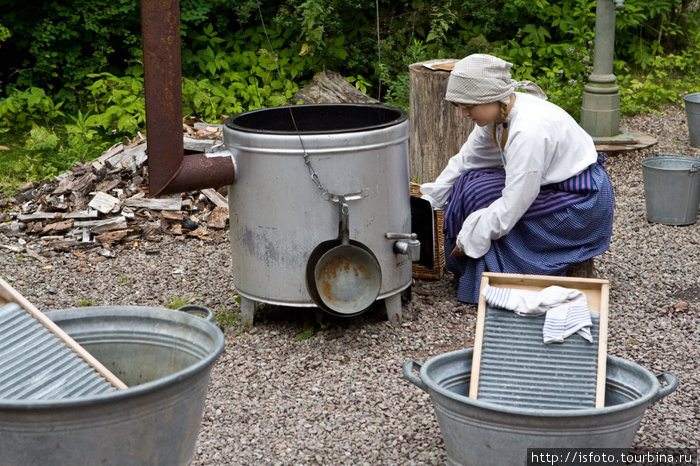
<point>566,310</point>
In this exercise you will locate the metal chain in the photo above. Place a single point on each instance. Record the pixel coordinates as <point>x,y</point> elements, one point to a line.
<point>307,160</point>
<point>314,175</point>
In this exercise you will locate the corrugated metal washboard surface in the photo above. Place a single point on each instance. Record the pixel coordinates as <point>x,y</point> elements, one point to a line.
<point>36,365</point>
<point>519,370</point>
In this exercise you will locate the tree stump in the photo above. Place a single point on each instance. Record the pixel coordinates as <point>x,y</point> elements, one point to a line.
<point>437,129</point>
<point>331,87</point>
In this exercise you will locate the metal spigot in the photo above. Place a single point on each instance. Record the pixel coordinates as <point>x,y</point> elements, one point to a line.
<point>408,245</point>
<point>619,4</point>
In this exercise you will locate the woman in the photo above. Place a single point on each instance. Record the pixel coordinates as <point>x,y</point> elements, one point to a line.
<point>527,192</point>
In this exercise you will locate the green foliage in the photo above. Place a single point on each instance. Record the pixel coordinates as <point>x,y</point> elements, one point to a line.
<point>118,102</point>
<point>43,142</point>
<point>232,76</point>
<point>22,109</point>
<point>4,33</point>
<point>72,81</point>
<point>55,45</point>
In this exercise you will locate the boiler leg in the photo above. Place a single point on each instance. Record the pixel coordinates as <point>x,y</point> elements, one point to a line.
<point>248,308</point>
<point>393,309</point>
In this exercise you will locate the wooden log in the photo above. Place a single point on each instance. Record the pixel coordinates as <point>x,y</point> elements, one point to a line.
<point>331,87</point>
<point>437,129</point>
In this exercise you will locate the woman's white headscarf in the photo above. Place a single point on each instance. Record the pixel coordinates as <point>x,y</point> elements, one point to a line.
<point>482,79</point>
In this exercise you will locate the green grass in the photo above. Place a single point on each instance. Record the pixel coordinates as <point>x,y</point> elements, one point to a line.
<point>176,302</point>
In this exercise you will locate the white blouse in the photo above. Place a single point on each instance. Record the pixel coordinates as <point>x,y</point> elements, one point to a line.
<point>545,145</point>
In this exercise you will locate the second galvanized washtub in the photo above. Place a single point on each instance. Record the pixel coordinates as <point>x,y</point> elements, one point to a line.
<point>164,356</point>
<point>477,433</point>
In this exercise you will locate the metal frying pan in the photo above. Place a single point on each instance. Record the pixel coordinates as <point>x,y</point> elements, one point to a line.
<point>342,275</point>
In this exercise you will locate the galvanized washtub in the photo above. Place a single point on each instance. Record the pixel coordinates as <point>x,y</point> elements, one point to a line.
<point>278,214</point>
<point>164,356</point>
<point>477,433</point>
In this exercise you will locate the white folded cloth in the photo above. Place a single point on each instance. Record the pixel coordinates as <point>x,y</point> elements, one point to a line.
<point>566,310</point>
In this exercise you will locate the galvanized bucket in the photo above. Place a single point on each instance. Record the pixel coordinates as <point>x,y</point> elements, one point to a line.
<point>164,356</point>
<point>479,433</point>
<point>672,189</point>
<point>692,113</point>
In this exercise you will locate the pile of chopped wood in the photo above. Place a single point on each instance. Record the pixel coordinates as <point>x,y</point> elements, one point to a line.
<point>102,205</point>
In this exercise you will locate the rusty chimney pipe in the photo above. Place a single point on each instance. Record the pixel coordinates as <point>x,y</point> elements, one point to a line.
<point>169,170</point>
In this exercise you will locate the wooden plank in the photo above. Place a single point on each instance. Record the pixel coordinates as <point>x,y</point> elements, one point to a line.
<point>215,197</point>
<point>209,127</point>
<point>89,213</point>
<point>591,287</point>
<point>103,202</point>
<point>117,223</point>
<point>57,227</point>
<point>131,158</point>
<point>602,346</point>
<point>9,294</point>
<point>99,162</point>
<point>173,215</point>
<point>478,340</point>
<point>103,225</point>
<point>198,145</point>
<point>40,216</point>
<point>155,204</point>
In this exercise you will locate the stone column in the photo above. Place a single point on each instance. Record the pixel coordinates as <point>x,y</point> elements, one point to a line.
<point>600,111</point>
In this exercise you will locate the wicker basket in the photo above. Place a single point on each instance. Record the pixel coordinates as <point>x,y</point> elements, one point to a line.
<point>435,272</point>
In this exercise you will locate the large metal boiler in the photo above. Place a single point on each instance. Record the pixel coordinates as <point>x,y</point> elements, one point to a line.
<point>294,165</point>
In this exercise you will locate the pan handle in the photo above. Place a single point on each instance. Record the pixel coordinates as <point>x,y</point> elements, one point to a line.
<point>344,222</point>
<point>671,381</point>
<point>408,368</point>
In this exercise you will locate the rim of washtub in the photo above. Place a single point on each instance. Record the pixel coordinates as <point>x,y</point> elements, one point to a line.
<point>137,390</point>
<point>401,116</point>
<point>654,395</point>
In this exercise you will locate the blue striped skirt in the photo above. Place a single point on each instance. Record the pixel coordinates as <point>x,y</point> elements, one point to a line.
<point>568,223</point>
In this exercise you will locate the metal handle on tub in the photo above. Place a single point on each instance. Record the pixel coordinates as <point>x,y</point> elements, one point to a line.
<point>671,381</point>
<point>408,368</point>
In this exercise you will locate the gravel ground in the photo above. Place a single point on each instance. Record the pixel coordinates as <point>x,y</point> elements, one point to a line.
<point>338,397</point>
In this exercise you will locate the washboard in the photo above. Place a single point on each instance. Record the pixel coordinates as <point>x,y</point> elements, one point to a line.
<point>511,365</point>
<point>39,361</point>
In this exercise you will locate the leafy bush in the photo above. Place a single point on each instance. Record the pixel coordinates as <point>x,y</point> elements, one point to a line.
<point>22,109</point>
<point>118,102</point>
<point>72,71</point>
<point>232,76</point>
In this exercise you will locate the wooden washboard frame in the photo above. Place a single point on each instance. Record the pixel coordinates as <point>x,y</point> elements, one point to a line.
<point>597,295</point>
